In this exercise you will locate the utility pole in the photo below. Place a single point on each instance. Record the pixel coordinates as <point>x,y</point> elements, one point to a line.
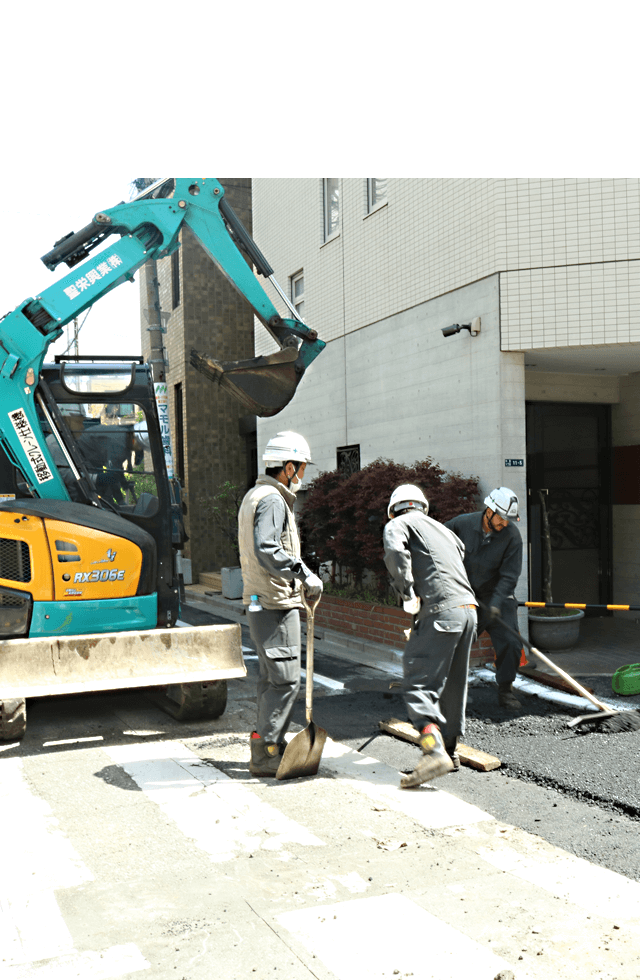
<point>157,357</point>
<point>158,360</point>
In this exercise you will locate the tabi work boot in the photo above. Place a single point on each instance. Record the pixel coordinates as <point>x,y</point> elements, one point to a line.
<point>435,759</point>
<point>452,752</point>
<point>265,757</point>
<point>507,699</point>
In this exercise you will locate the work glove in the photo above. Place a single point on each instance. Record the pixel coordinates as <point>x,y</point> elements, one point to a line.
<point>494,614</point>
<point>412,604</point>
<point>313,585</point>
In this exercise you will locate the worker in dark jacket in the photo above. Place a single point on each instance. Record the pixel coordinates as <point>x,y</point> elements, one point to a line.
<point>424,560</point>
<point>493,560</point>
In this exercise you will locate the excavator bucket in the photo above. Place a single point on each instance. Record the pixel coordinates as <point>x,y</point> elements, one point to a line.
<point>44,666</point>
<point>263,384</point>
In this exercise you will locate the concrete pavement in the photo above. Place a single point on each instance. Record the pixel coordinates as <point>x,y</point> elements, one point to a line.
<point>136,844</point>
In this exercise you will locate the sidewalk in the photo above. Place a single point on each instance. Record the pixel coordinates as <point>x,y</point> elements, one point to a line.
<point>605,643</point>
<point>364,652</point>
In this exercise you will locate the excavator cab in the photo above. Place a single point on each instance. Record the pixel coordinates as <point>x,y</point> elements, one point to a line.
<point>100,423</point>
<point>110,408</point>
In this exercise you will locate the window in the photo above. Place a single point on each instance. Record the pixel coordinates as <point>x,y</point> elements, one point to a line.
<point>331,186</point>
<point>376,192</point>
<point>348,459</point>
<point>175,279</point>
<point>297,293</point>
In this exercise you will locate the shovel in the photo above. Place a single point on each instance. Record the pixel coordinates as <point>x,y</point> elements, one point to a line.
<point>302,755</point>
<point>617,721</point>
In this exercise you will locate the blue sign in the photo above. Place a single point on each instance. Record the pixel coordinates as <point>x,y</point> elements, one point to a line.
<point>514,462</point>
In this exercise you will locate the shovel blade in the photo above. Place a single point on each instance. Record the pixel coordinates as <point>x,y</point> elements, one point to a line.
<point>303,753</point>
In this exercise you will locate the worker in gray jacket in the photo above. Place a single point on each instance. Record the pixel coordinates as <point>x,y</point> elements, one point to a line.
<point>273,571</point>
<point>493,560</point>
<point>425,562</point>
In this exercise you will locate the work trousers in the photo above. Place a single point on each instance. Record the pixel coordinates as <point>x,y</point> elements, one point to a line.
<point>508,650</point>
<point>436,667</point>
<point>276,635</point>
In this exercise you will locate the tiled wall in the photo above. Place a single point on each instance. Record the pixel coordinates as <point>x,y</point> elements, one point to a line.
<point>569,248</point>
<point>571,305</point>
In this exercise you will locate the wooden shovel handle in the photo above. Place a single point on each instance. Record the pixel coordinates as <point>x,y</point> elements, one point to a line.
<point>311,610</point>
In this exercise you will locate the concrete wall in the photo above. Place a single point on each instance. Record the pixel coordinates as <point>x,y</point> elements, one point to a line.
<point>547,386</point>
<point>402,391</point>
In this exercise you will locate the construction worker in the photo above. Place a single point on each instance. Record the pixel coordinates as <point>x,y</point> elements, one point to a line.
<point>493,560</point>
<point>273,571</point>
<point>425,563</point>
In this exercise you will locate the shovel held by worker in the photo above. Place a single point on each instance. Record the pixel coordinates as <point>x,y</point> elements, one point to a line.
<point>303,753</point>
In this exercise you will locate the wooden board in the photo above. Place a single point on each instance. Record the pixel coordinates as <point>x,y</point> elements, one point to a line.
<point>468,755</point>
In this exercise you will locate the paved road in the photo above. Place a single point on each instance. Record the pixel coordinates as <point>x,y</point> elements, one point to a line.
<point>135,844</point>
<point>579,790</point>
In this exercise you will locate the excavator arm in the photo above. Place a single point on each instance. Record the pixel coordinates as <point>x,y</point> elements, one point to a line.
<point>147,228</point>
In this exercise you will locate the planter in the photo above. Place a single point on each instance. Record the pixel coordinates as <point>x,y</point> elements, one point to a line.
<point>555,632</point>
<point>231,582</point>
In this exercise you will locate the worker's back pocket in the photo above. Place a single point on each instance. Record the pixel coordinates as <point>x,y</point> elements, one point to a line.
<point>447,626</point>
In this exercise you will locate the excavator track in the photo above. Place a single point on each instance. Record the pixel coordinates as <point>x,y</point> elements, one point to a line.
<point>13,719</point>
<point>191,702</point>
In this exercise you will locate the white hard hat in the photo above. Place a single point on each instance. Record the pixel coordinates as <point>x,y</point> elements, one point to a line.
<point>408,496</point>
<point>287,446</point>
<point>504,502</point>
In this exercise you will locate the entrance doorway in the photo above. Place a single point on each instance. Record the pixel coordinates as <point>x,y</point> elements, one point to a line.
<point>569,473</point>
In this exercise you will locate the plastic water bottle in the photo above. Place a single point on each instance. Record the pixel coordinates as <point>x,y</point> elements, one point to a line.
<point>254,605</point>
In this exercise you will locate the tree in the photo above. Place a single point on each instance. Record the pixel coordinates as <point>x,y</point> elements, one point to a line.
<point>344,516</point>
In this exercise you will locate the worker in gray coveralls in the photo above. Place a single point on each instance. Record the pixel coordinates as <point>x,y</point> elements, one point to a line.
<point>424,560</point>
<point>493,560</point>
<point>273,571</point>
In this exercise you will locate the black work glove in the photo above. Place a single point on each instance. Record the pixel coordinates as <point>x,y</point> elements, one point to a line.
<point>494,614</point>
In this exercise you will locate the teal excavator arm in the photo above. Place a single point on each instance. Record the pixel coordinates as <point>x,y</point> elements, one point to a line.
<point>148,228</point>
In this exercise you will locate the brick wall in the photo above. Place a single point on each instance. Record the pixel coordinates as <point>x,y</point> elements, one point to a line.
<point>379,624</point>
<point>212,317</point>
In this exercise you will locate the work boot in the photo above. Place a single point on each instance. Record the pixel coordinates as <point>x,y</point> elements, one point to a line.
<point>435,759</point>
<point>507,699</point>
<point>452,752</point>
<point>265,757</point>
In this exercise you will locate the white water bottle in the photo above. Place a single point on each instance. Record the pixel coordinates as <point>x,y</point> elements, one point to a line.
<point>254,605</point>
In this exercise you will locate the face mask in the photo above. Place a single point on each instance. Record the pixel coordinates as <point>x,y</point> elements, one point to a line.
<point>294,487</point>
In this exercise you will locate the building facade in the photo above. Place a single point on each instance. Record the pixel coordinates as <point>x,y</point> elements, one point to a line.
<point>213,439</point>
<point>543,398</point>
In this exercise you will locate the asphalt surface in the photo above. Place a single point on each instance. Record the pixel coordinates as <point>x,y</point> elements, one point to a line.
<point>578,789</point>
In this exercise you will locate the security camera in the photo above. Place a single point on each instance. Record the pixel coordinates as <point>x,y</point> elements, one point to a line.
<point>473,328</point>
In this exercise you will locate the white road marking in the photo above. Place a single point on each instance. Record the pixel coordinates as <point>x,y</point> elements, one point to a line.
<point>37,859</point>
<point>40,856</point>
<point>586,885</point>
<point>32,928</point>
<point>401,939</point>
<point>118,961</point>
<point>74,741</point>
<point>324,681</point>
<point>220,814</point>
<point>431,807</point>
<point>329,682</point>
